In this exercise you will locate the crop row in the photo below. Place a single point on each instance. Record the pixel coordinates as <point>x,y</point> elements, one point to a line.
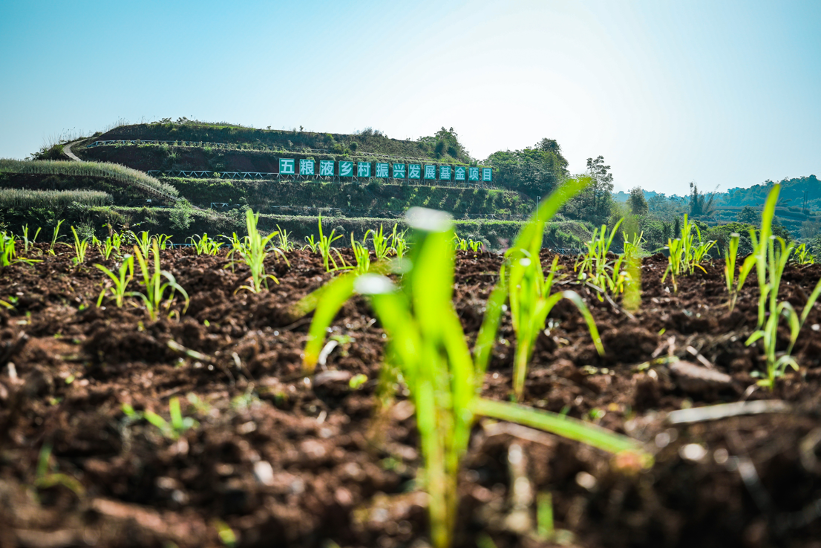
<point>121,174</point>
<point>408,278</point>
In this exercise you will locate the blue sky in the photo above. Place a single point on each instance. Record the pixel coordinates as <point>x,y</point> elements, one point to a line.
<point>722,93</point>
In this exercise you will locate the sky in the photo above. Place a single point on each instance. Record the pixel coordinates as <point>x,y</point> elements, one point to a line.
<point>723,93</point>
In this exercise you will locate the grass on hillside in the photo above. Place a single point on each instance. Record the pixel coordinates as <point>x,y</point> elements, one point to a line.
<point>17,198</point>
<point>121,174</point>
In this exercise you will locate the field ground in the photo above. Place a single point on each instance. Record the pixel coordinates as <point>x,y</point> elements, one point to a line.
<point>278,460</point>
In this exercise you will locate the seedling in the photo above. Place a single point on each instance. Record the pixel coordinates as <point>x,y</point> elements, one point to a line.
<point>777,364</point>
<point>153,283</point>
<point>382,248</point>
<point>428,345</point>
<point>529,290</point>
<point>593,266</point>
<point>686,252</point>
<point>46,478</point>
<point>118,290</point>
<point>730,270</point>
<point>283,241</point>
<point>80,247</point>
<point>55,236</point>
<point>325,249</point>
<point>253,251</point>
<point>399,243</point>
<point>26,242</point>
<point>205,245</point>
<point>143,240</point>
<point>802,255</point>
<point>171,429</point>
<point>362,255</point>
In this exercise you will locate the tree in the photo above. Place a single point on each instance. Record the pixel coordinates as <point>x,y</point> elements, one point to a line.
<point>748,215</point>
<point>534,171</point>
<point>596,200</point>
<point>180,216</point>
<point>637,200</point>
<point>701,205</point>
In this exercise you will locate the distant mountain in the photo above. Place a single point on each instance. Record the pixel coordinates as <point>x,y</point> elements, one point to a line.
<point>800,192</point>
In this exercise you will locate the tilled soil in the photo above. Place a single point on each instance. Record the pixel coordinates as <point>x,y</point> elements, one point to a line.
<point>275,459</point>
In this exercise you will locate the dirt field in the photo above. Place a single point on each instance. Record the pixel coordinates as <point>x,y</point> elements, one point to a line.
<point>284,461</point>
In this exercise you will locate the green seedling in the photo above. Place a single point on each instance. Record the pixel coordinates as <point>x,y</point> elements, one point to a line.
<point>283,241</point>
<point>143,241</point>
<point>762,258</point>
<point>529,290</point>
<point>399,243</point>
<point>382,247</point>
<point>120,281</point>
<point>109,247</point>
<point>313,246</point>
<point>8,254</point>
<point>362,255</point>
<point>730,270</point>
<point>155,288</point>
<point>686,252</point>
<point>429,347</point>
<point>204,245</point>
<point>80,248</point>
<point>632,247</point>
<point>163,240</point>
<point>171,429</point>
<point>253,251</point>
<point>777,364</point>
<point>593,266</point>
<point>325,248</point>
<point>46,478</point>
<point>26,242</point>
<point>55,236</point>
<point>802,255</point>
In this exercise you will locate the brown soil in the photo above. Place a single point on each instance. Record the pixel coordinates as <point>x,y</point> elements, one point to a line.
<point>283,461</point>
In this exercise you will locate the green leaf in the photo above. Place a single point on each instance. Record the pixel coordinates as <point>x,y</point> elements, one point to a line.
<point>564,426</point>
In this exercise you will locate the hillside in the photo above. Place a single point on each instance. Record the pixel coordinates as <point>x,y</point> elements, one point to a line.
<point>443,146</point>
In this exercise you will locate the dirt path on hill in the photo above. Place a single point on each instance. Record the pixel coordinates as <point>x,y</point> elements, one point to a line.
<point>67,151</point>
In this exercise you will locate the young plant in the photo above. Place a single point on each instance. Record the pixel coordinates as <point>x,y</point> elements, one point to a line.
<point>155,288</point>
<point>427,343</point>
<point>283,241</point>
<point>325,249</point>
<point>311,244</point>
<point>253,251</point>
<point>775,363</point>
<point>26,242</point>
<point>80,248</point>
<point>143,240</point>
<point>163,240</point>
<point>399,243</point>
<point>8,253</point>
<point>632,247</point>
<point>55,236</point>
<point>111,244</point>
<point>120,281</point>
<point>382,247</point>
<point>763,258</point>
<point>362,255</point>
<point>529,290</point>
<point>594,265</point>
<point>802,255</point>
<point>730,270</point>
<point>171,429</point>
<point>205,245</point>
<point>686,252</point>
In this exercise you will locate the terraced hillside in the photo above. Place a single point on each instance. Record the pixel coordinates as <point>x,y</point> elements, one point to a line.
<point>212,202</point>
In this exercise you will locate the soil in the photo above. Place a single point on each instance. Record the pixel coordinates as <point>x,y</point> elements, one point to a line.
<point>275,459</point>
